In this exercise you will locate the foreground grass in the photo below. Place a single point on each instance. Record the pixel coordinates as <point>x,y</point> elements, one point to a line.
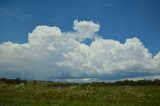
<point>46,94</point>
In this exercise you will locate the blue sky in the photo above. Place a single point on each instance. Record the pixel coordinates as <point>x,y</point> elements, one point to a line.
<point>61,29</point>
<point>119,19</point>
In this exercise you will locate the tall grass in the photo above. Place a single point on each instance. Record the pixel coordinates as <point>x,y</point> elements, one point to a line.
<point>54,94</point>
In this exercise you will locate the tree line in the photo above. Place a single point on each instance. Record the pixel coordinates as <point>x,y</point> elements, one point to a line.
<point>64,84</point>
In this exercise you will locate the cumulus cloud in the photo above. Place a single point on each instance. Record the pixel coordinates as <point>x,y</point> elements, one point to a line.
<point>53,54</point>
<point>83,30</point>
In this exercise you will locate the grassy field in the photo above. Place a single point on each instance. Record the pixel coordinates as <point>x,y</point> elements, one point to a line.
<point>47,94</point>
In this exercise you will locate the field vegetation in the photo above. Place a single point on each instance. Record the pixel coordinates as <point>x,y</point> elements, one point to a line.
<point>47,93</point>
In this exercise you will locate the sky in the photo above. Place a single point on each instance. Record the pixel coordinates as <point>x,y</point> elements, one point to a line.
<point>64,38</point>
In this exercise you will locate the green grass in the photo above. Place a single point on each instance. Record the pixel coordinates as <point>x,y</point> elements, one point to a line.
<point>43,94</point>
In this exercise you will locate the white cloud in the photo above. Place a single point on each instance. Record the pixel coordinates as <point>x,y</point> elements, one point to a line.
<point>83,30</point>
<point>52,54</point>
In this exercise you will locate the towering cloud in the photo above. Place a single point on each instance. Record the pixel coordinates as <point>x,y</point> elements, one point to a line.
<point>52,54</point>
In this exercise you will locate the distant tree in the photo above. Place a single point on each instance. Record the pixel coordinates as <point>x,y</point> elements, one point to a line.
<point>18,80</point>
